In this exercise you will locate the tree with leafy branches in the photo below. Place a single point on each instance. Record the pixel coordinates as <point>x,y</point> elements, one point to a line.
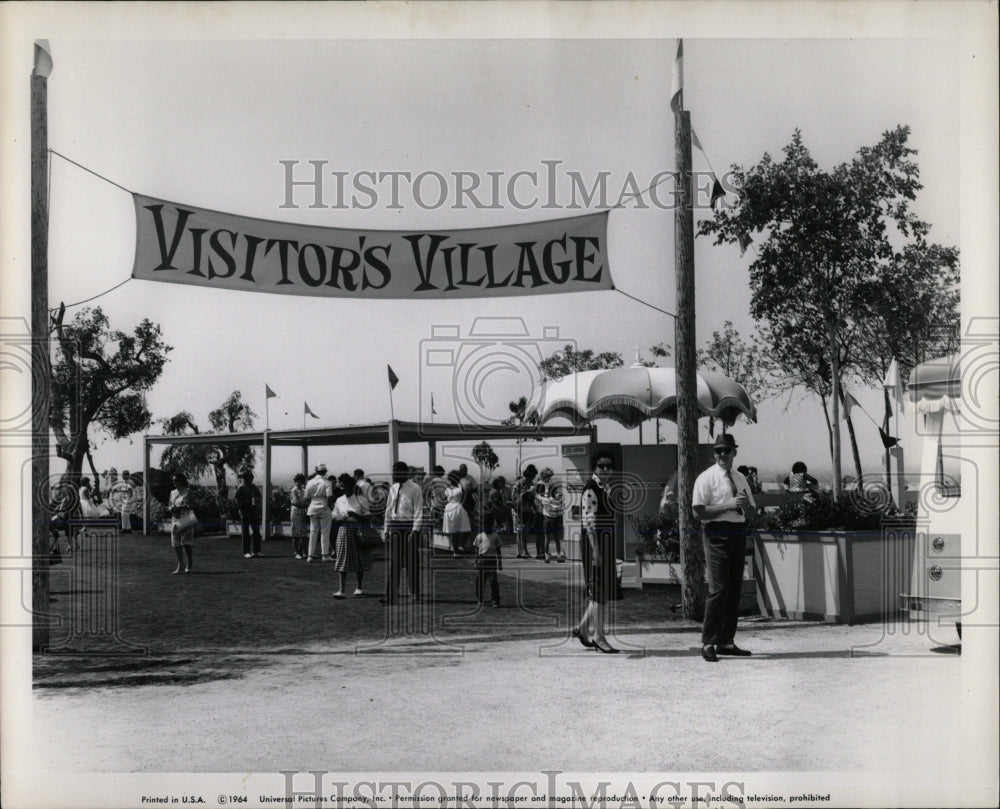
<point>98,381</point>
<point>519,417</point>
<point>196,460</point>
<point>191,459</point>
<point>830,248</point>
<point>487,460</point>
<point>232,416</point>
<point>570,361</point>
<point>744,360</point>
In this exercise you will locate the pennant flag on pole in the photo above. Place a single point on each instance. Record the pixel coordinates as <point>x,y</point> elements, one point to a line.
<point>677,80</point>
<point>268,393</point>
<point>718,195</point>
<point>888,441</point>
<point>849,403</point>
<point>309,412</point>
<point>893,383</point>
<point>43,59</point>
<point>393,379</point>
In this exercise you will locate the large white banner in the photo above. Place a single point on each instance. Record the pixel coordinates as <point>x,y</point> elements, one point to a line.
<point>182,244</point>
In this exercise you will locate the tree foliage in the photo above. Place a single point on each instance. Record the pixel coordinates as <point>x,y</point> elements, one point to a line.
<point>187,458</point>
<point>569,361</point>
<point>831,283</point>
<point>195,460</point>
<point>487,459</point>
<point>744,360</point>
<point>99,378</point>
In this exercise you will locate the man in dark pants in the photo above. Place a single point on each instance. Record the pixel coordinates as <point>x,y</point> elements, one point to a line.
<point>248,500</point>
<point>721,501</point>
<point>403,517</point>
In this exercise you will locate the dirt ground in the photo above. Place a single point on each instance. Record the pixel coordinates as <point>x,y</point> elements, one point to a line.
<point>252,666</point>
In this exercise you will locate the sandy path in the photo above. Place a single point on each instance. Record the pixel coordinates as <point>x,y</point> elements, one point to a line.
<point>532,703</point>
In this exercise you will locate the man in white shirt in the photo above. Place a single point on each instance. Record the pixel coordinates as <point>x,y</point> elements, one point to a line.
<point>403,517</point>
<point>721,501</point>
<point>319,491</point>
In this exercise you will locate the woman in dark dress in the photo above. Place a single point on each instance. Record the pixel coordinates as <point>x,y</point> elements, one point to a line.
<point>598,552</point>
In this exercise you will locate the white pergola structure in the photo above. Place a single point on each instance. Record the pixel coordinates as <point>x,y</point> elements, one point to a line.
<point>393,433</point>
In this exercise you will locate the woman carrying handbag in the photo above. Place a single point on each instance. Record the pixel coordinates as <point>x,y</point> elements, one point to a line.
<point>182,530</point>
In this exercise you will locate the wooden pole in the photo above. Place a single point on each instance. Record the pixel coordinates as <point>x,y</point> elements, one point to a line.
<point>838,484</point>
<point>40,389</point>
<point>265,512</point>
<point>692,552</point>
<point>147,493</point>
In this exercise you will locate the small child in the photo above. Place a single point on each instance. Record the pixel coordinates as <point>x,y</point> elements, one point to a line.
<point>488,562</point>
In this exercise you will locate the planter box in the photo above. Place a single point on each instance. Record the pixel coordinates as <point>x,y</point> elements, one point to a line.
<point>837,576</point>
<point>658,571</point>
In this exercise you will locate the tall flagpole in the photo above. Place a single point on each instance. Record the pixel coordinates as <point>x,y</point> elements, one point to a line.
<point>692,553</point>
<point>40,388</point>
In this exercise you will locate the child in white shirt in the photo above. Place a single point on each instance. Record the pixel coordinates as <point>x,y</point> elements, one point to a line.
<point>488,562</point>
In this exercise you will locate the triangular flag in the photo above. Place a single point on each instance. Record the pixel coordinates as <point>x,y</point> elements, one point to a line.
<point>888,441</point>
<point>309,412</point>
<point>433,411</point>
<point>849,403</point>
<point>677,80</point>
<point>268,393</point>
<point>893,383</point>
<point>393,379</point>
<point>43,59</point>
<point>718,195</point>
<point>745,241</point>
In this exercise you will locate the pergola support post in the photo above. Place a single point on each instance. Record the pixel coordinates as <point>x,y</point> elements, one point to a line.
<point>266,505</point>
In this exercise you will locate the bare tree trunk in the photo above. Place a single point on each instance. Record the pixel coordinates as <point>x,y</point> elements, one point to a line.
<point>838,485</point>
<point>854,446</point>
<point>93,470</point>
<point>829,427</point>
<point>221,486</point>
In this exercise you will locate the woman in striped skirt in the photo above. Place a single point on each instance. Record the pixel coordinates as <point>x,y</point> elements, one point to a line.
<point>350,511</point>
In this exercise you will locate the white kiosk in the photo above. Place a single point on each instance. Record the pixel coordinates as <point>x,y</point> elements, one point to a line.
<point>935,589</point>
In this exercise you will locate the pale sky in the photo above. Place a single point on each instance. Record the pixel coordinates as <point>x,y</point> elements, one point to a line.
<point>206,123</point>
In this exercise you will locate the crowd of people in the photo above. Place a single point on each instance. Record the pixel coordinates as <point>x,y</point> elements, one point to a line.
<point>340,519</point>
<point>74,508</point>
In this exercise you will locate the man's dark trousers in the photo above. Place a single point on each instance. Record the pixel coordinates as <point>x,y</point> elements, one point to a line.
<point>403,546</point>
<point>725,553</point>
<point>251,532</point>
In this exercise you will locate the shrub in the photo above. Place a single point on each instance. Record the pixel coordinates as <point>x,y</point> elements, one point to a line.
<point>281,505</point>
<point>820,512</point>
<point>659,537</point>
<point>158,511</point>
<point>205,504</point>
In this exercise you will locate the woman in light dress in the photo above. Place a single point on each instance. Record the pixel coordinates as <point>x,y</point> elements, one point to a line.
<point>455,522</point>
<point>181,511</point>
